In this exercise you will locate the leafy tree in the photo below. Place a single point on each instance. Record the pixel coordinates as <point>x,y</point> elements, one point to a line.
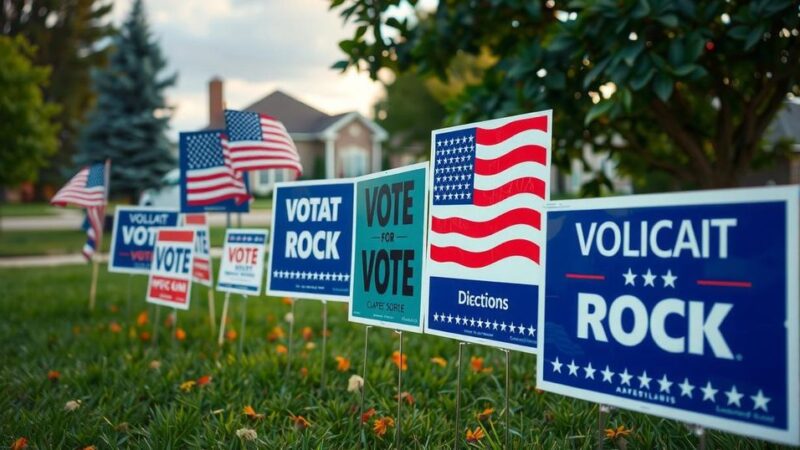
<point>130,119</point>
<point>669,87</point>
<point>27,129</point>
<point>68,36</point>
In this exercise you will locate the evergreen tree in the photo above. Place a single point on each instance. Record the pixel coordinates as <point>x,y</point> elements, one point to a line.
<point>130,118</point>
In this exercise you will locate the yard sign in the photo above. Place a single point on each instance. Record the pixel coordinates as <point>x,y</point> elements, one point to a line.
<point>485,270</point>
<point>683,306</point>
<point>170,282</point>
<point>311,243</point>
<point>201,264</point>
<point>242,266</point>
<point>134,236</point>
<point>389,248</point>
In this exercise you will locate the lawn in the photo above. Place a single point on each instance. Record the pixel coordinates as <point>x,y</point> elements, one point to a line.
<point>26,210</point>
<point>130,395</point>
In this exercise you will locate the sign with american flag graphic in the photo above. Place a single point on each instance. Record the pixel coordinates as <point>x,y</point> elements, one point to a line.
<point>208,181</point>
<point>486,236</point>
<point>260,142</point>
<point>683,306</point>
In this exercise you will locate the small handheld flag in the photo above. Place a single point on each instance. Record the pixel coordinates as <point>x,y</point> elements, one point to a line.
<point>260,142</point>
<point>87,189</point>
<point>210,176</point>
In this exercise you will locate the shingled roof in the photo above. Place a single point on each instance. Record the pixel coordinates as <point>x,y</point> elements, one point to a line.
<point>296,116</point>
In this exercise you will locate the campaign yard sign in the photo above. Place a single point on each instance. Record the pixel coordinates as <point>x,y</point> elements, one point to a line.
<point>486,239</point>
<point>134,237</point>
<point>389,248</point>
<point>170,282</point>
<point>201,264</point>
<point>242,266</point>
<point>311,243</point>
<point>683,306</point>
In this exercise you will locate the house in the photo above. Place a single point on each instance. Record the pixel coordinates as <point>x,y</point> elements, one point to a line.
<point>330,146</point>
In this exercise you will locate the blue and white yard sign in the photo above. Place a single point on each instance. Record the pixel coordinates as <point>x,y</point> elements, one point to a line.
<point>683,306</point>
<point>134,237</point>
<point>490,181</point>
<point>312,238</point>
<point>241,269</point>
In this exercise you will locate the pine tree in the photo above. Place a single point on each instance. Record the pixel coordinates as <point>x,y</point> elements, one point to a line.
<point>129,121</point>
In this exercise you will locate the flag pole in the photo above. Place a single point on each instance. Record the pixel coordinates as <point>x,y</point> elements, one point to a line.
<point>93,288</point>
<point>99,243</point>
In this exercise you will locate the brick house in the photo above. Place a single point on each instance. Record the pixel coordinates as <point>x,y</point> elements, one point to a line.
<point>330,146</point>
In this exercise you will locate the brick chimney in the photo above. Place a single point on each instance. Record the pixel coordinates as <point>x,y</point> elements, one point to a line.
<point>216,103</point>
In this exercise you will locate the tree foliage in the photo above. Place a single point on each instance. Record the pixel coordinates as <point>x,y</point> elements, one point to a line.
<point>130,119</point>
<point>668,87</point>
<point>27,129</point>
<point>69,37</point>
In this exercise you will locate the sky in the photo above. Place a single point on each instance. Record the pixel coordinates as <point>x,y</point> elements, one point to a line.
<point>255,46</point>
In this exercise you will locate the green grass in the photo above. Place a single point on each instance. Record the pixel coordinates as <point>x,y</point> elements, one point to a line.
<point>127,404</point>
<point>261,203</point>
<point>26,210</point>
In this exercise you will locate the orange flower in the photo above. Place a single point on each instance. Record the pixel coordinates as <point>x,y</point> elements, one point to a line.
<point>281,349</point>
<point>287,301</point>
<point>231,335</point>
<point>342,364</point>
<point>382,425</point>
<point>405,395</point>
<point>367,415</point>
<point>439,361</point>
<point>477,365</point>
<point>90,447</point>
<point>475,436</point>
<point>114,327</point>
<point>308,333</point>
<point>144,336</point>
<point>142,319</point>
<point>180,334</point>
<point>275,334</point>
<point>251,413</point>
<point>619,432</point>
<point>187,386</point>
<point>20,444</point>
<point>53,375</point>
<point>204,380</point>
<point>303,372</point>
<point>300,422</point>
<point>396,360</point>
<point>486,414</point>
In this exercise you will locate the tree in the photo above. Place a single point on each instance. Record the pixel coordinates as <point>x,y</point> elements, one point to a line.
<point>669,87</point>
<point>27,129</point>
<point>68,36</point>
<point>129,122</point>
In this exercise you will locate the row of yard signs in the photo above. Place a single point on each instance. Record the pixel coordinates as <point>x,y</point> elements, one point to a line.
<point>683,305</point>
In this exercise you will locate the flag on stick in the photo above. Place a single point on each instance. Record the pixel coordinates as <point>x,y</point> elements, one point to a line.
<point>259,142</point>
<point>210,177</point>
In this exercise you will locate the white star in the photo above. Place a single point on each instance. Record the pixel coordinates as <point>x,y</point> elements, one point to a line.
<point>734,397</point>
<point>625,377</point>
<point>664,384</point>
<point>589,371</point>
<point>458,320</point>
<point>436,317</point>
<point>759,401</point>
<point>644,380</point>
<point>607,374</point>
<point>502,326</point>
<point>649,278</point>
<point>531,330</point>
<point>573,369</point>
<point>513,328</point>
<point>449,318</point>
<point>471,322</point>
<point>275,274</point>
<point>494,325</point>
<point>686,388</point>
<point>669,279</point>
<point>480,323</point>
<point>556,365</point>
<point>709,392</point>
<point>629,277</point>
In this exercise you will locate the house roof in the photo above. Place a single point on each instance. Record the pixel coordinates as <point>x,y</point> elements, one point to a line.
<point>786,124</point>
<point>295,115</point>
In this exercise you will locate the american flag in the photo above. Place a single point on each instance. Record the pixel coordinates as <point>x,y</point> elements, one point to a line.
<point>259,142</point>
<point>489,189</point>
<point>87,189</point>
<point>210,177</point>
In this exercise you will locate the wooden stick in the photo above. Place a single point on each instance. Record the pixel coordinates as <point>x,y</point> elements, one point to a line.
<point>93,288</point>
<point>212,311</point>
<point>221,339</point>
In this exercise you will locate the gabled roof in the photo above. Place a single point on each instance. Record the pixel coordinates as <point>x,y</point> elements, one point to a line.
<point>296,116</point>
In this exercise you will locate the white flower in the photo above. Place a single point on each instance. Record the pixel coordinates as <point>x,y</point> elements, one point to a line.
<point>289,318</point>
<point>355,383</point>
<point>72,405</point>
<point>247,434</point>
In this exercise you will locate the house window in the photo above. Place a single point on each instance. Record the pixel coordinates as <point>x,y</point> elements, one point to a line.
<point>353,162</point>
<point>267,178</point>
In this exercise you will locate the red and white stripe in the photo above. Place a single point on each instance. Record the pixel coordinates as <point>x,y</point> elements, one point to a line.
<point>76,193</point>
<point>275,150</point>
<point>208,186</point>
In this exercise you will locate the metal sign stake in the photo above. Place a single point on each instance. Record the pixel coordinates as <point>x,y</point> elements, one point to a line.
<point>244,321</point>
<point>324,343</point>
<point>458,393</point>
<point>399,391</point>
<point>291,340</point>
<point>508,388</point>
<point>224,318</point>
<point>364,385</point>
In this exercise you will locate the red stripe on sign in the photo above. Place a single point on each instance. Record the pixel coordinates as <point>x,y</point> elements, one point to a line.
<point>518,216</point>
<point>176,235</point>
<point>725,283</point>
<point>494,136</point>
<point>466,258</point>
<point>584,276</point>
<point>195,219</point>
<point>523,154</point>
<point>526,185</point>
